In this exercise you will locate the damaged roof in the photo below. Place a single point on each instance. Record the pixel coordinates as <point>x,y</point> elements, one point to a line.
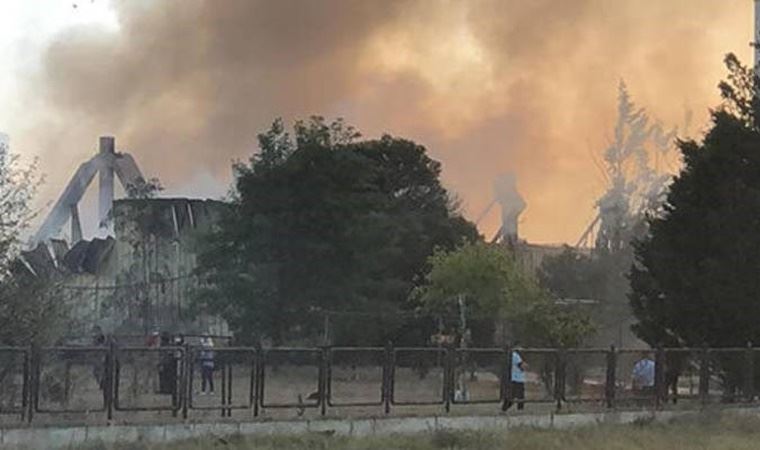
<point>88,256</point>
<point>165,217</point>
<point>55,258</point>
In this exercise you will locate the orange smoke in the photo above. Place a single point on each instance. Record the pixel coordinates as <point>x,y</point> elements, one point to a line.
<point>488,86</point>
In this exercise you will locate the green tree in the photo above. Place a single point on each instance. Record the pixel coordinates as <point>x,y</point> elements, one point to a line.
<point>144,189</point>
<point>28,313</point>
<point>18,185</point>
<point>695,279</point>
<point>602,277</point>
<point>491,285</point>
<point>322,221</point>
<point>572,274</point>
<point>632,165</point>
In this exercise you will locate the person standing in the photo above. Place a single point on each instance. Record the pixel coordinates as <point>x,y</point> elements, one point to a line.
<point>206,357</point>
<point>517,381</point>
<point>642,376</point>
<point>167,369</point>
<point>146,367</point>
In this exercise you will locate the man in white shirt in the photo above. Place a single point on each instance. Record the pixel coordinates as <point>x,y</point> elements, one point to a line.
<point>517,381</point>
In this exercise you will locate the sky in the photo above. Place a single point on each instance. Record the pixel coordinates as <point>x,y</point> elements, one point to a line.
<point>487,86</point>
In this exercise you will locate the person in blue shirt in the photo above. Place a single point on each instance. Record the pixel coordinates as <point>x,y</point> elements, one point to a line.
<point>642,376</point>
<point>517,381</point>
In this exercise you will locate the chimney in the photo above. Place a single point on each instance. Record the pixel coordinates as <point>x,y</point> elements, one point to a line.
<point>107,152</point>
<point>107,144</point>
<point>512,205</point>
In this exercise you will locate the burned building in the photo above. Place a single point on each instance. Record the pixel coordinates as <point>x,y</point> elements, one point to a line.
<point>140,279</point>
<point>137,275</point>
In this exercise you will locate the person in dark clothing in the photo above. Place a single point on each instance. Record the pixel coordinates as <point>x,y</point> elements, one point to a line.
<point>167,367</point>
<point>206,357</point>
<point>98,369</point>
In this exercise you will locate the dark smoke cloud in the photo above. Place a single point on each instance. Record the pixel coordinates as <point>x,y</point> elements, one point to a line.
<point>487,86</point>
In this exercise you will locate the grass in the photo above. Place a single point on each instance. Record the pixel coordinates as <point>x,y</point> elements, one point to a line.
<point>706,432</point>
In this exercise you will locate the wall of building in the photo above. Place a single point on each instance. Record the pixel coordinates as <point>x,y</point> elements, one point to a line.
<point>613,321</point>
<point>140,280</point>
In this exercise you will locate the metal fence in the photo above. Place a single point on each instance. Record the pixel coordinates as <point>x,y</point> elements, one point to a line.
<point>118,382</point>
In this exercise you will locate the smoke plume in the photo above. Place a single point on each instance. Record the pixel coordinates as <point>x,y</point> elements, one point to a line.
<point>488,86</point>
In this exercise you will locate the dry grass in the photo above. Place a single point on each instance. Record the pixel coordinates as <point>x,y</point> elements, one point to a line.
<point>708,432</point>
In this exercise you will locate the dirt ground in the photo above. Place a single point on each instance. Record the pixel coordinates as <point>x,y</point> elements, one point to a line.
<point>71,393</point>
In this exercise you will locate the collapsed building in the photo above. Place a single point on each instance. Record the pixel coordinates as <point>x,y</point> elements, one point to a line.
<point>510,201</point>
<point>613,320</point>
<point>637,168</point>
<point>138,274</point>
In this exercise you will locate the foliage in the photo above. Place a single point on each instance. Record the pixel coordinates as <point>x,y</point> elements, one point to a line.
<point>738,92</point>
<point>494,287</point>
<point>144,214</point>
<point>636,183</point>
<point>551,325</point>
<point>27,313</point>
<point>486,276</point>
<point>144,189</point>
<point>321,221</point>
<point>695,279</point>
<point>18,185</point>
<point>636,167</point>
<point>572,274</point>
<point>599,276</point>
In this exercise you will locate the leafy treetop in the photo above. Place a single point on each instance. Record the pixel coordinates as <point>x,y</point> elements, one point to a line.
<point>695,278</point>
<point>324,222</point>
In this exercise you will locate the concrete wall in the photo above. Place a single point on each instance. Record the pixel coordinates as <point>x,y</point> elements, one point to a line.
<point>148,272</point>
<point>59,437</point>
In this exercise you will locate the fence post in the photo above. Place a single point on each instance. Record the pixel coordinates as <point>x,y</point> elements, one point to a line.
<point>176,364</point>
<point>187,387</point>
<point>229,388</point>
<point>223,399</point>
<point>609,387</point>
<point>502,378</point>
<point>108,383</point>
<point>507,377</point>
<point>67,381</point>
<point>323,380</point>
<point>704,375</point>
<point>262,377</point>
<point>116,378</point>
<point>659,377</point>
<point>388,374</point>
<point>749,381</point>
<point>559,378</point>
<point>34,378</point>
<point>448,377</point>
<point>26,388</point>
<point>258,364</point>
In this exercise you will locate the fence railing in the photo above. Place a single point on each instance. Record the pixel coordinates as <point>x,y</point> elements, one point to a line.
<point>109,381</point>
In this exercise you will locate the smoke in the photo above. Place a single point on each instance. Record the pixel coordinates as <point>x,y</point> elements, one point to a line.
<point>488,86</point>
